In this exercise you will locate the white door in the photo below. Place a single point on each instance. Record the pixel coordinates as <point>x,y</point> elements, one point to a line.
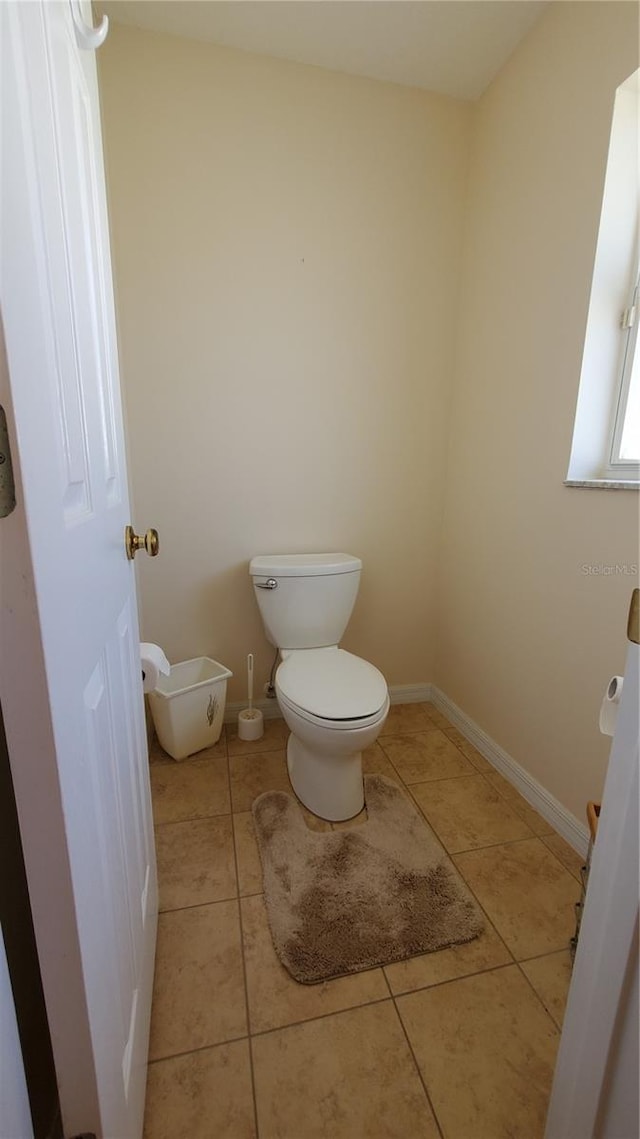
<point>595,1088</point>
<point>57,310</point>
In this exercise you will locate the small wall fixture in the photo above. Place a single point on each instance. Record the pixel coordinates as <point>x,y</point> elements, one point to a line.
<point>87,38</point>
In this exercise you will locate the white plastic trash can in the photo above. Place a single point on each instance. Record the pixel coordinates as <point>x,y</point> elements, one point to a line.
<point>188,706</point>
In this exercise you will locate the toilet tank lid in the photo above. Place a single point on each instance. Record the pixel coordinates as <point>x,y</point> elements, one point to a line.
<point>303,565</point>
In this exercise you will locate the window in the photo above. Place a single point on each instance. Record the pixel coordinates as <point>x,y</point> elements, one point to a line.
<point>606,440</point>
<point>624,455</point>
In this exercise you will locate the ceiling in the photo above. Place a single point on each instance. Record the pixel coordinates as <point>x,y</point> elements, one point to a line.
<point>454,47</point>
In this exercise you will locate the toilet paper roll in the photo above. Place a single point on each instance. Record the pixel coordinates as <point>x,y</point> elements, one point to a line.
<point>609,706</point>
<point>153,663</point>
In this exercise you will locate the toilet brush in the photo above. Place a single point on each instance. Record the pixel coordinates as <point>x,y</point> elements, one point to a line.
<point>250,720</point>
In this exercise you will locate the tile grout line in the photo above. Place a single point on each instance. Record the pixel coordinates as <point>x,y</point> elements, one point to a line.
<point>493,923</point>
<point>492,846</point>
<point>394,996</point>
<point>445,731</point>
<point>448,981</point>
<point>471,849</point>
<point>405,992</point>
<point>542,837</point>
<point>470,889</point>
<point>244,963</point>
<point>501,801</point>
<point>190,819</point>
<point>323,1015</point>
<point>485,913</point>
<point>513,807</point>
<point>450,856</point>
<point>200,1048</point>
<point>513,842</point>
<point>413,1057</point>
<point>474,972</point>
<point>236,899</point>
<point>438,779</point>
<point>539,997</point>
<point>520,800</point>
<point>253,1088</point>
<point>495,968</point>
<point>540,956</point>
<point>198,905</point>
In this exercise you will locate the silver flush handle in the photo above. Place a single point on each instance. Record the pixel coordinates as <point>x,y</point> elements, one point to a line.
<point>270,583</point>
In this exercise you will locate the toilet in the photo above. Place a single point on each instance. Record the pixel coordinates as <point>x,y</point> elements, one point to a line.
<point>333,702</point>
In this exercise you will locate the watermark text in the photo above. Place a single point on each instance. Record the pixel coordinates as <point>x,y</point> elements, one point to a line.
<point>602,569</point>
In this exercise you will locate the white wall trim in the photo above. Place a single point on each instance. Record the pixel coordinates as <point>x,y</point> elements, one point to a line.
<point>398,693</point>
<point>561,819</point>
<point>410,693</point>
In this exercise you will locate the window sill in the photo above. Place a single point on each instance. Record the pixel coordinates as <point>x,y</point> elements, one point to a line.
<point>605,484</point>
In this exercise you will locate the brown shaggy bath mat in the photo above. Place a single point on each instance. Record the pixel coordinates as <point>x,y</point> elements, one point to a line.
<point>347,900</point>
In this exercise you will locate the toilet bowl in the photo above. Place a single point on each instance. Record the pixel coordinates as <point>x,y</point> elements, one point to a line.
<point>333,702</point>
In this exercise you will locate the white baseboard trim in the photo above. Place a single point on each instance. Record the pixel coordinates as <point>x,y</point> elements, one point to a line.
<point>562,820</point>
<point>409,693</point>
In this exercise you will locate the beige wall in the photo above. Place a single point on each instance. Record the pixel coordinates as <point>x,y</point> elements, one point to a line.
<point>526,639</point>
<point>286,245</point>
<point>286,251</point>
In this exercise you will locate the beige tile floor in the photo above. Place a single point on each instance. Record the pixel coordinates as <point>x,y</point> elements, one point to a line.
<point>458,1044</point>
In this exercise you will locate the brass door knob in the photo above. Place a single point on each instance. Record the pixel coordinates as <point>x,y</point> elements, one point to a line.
<point>134,542</point>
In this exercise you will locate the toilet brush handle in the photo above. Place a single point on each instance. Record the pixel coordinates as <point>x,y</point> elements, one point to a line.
<point>250,678</point>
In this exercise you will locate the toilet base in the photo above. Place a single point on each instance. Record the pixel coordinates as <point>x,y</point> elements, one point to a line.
<point>330,786</point>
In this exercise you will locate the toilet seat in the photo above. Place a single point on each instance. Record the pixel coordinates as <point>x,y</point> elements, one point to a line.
<point>333,688</point>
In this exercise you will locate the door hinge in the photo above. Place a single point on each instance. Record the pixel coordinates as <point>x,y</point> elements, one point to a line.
<point>633,623</point>
<point>7,487</point>
<point>628,318</point>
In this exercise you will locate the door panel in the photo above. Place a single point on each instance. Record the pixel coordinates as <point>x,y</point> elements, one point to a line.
<point>61,348</point>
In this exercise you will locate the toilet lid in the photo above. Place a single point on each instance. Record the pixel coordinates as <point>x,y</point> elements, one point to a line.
<point>332,684</point>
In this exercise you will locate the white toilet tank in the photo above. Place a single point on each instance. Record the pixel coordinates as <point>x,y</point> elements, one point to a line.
<point>305,600</point>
